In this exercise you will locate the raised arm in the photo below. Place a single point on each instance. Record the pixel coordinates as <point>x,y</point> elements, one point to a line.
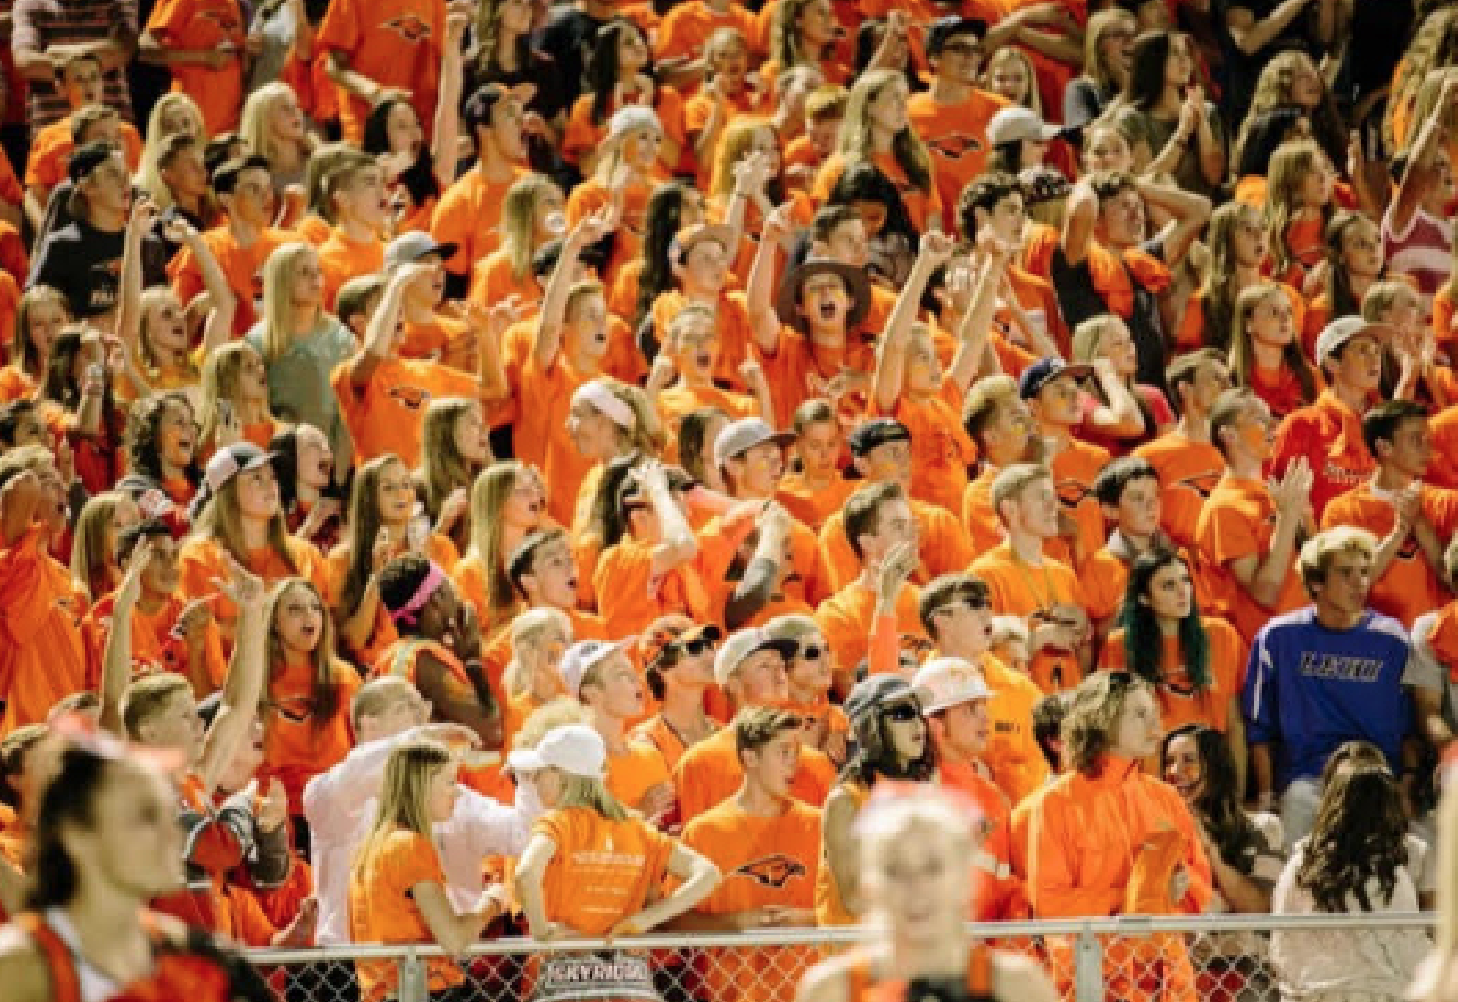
<point>588,231</point>
<point>759,293</point>
<point>447,131</point>
<point>973,333</point>
<point>1417,176</point>
<point>221,298</point>
<point>1079,223</point>
<point>116,662</point>
<point>1190,212</point>
<point>677,544</point>
<point>1250,34</point>
<point>934,251</point>
<point>381,330</point>
<point>246,673</point>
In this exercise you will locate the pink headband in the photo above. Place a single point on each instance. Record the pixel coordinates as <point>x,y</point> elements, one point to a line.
<point>408,613</point>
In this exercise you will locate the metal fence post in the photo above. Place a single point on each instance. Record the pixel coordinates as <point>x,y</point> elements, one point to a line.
<point>412,986</point>
<point>1088,967</point>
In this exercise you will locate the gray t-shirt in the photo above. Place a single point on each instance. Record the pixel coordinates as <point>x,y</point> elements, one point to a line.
<point>1156,132</point>
<point>299,390</point>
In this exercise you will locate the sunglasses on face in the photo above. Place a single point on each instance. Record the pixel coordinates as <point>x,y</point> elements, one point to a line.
<point>903,713</point>
<point>811,652</point>
<point>696,646</point>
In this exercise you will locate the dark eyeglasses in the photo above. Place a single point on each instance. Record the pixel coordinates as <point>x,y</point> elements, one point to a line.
<point>903,712</point>
<point>697,646</point>
<point>972,604</point>
<point>811,652</point>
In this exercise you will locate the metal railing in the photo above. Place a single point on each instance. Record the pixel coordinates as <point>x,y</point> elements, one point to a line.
<point>1188,958</point>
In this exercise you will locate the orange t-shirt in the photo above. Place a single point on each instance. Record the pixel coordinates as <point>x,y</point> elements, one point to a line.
<point>205,25</point>
<point>154,646</point>
<point>1020,589</point>
<point>941,449</point>
<point>921,204</point>
<point>680,400</point>
<point>298,741</point>
<point>686,28</point>
<point>764,862</point>
<point>342,258</point>
<point>50,152</point>
<point>731,323</point>
<point>1445,326</point>
<point>1239,520</point>
<point>1012,753</point>
<point>582,135</point>
<point>602,871</point>
<point>1281,389</point>
<point>382,910</point>
<point>846,618</point>
<point>1329,434</point>
<point>396,43</point>
<point>813,505</point>
<point>984,528</point>
<point>1074,471</point>
<point>660,735</point>
<point>204,560</point>
<point>1179,702</point>
<point>468,214</point>
<point>1410,586</point>
<point>709,773</point>
<point>388,415</point>
<point>956,135</point>
<point>943,542</point>
<point>42,653</point>
<point>631,774</point>
<point>243,267</point>
<point>492,281</point>
<point>1188,472</point>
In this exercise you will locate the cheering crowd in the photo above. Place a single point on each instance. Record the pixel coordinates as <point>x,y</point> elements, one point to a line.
<point>485,467</point>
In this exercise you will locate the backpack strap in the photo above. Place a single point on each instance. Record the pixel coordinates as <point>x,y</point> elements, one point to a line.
<point>60,965</point>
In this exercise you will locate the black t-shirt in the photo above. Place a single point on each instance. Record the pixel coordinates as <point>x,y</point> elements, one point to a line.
<point>84,264</point>
<point>1241,71</point>
<point>567,41</point>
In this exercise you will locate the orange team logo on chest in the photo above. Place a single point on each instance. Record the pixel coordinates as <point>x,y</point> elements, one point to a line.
<point>410,27</point>
<point>413,397</point>
<point>226,22</point>
<point>774,871</point>
<point>1201,483</point>
<point>956,145</point>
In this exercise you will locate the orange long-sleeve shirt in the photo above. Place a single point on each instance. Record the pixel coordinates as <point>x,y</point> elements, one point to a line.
<point>42,655</point>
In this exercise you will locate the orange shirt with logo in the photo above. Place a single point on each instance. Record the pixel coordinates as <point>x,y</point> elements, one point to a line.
<point>1179,702</point>
<point>205,25</point>
<point>243,267</point>
<point>1329,434</point>
<point>764,862</point>
<point>956,135</point>
<point>50,152</point>
<point>395,43</point>
<point>299,740</point>
<point>388,415</point>
<point>941,449</point>
<point>155,648</point>
<point>1188,472</point>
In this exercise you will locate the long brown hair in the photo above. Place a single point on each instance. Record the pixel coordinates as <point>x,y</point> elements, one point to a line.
<point>326,669</point>
<point>404,793</point>
<point>488,497</point>
<point>364,528</point>
<point>1360,834</point>
<point>1242,350</point>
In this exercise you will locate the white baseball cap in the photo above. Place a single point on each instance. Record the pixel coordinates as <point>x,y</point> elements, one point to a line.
<point>742,644</point>
<point>738,437</point>
<point>580,657</point>
<point>946,682</point>
<point>574,748</point>
<point>1343,329</point>
<point>1011,125</point>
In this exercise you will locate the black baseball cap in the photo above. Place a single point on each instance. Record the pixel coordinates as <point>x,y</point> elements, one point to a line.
<point>875,692</point>
<point>1044,371</point>
<point>225,178</point>
<point>877,432</point>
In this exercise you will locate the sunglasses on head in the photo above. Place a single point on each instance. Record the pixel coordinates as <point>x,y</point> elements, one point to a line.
<point>903,712</point>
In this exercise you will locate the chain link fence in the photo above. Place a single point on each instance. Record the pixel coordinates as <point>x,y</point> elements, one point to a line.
<point>1132,959</point>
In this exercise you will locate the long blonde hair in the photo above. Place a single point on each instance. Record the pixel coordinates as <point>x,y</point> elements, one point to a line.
<point>149,170</point>
<point>734,144</point>
<point>1218,292</point>
<point>23,353</point>
<point>280,272</point>
<point>153,299</point>
<point>526,630</point>
<point>404,794</point>
<point>488,497</point>
<point>1434,46</point>
<point>580,791</point>
<point>519,221</point>
<point>1095,67</point>
<point>855,129</point>
<point>255,127</point>
<point>220,381</point>
<point>1008,54</point>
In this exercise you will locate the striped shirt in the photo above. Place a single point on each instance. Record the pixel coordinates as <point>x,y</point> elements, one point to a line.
<point>1423,252</point>
<point>40,24</point>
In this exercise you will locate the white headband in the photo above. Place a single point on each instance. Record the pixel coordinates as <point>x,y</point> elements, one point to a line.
<point>602,398</point>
